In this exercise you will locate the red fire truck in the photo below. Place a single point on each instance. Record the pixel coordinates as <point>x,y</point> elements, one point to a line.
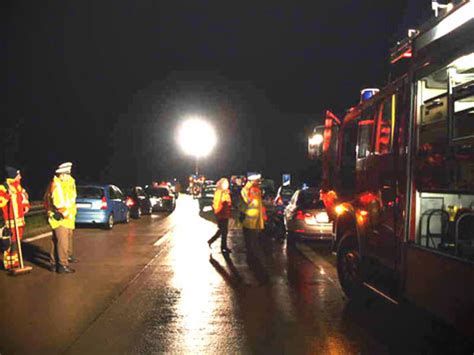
<point>398,176</point>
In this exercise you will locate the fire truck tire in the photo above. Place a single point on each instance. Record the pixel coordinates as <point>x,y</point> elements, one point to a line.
<point>349,268</point>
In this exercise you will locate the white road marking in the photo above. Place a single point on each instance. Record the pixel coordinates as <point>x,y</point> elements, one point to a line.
<point>41,236</point>
<point>163,238</point>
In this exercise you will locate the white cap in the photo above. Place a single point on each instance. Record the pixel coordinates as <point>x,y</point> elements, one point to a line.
<point>254,177</point>
<point>63,171</point>
<point>65,165</point>
<point>64,168</point>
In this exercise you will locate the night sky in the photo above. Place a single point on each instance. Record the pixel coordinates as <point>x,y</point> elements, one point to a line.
<point>105,84</point>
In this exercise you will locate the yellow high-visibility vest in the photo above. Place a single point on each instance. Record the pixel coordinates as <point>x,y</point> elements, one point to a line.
<point>62,198</point>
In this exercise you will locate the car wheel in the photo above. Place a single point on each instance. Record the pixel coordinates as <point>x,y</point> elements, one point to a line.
<point>110,222</point>
<point>127,217</point>
<point>349,268</point>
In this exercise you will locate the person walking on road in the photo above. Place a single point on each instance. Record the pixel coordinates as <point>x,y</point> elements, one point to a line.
<point>14,204</point>
<point>222,205</point>
<point>60,203</point>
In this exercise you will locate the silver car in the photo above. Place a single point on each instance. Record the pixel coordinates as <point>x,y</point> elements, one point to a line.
<point>305,217</point>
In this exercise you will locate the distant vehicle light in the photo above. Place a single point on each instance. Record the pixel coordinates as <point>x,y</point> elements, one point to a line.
<point>129,202</point>
<point>340,209</point>
<point>166,197</point>
<point>316,139</point>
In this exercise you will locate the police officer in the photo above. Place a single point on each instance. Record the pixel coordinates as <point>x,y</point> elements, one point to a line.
<point>61,217</point>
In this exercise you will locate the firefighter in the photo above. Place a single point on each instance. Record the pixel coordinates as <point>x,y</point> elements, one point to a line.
<point>14,204</point>
<point>222,205</point>
<point>61,209</point>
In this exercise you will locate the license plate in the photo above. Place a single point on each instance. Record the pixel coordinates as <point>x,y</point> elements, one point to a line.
<point>310,220</point>
<point>83,205</point>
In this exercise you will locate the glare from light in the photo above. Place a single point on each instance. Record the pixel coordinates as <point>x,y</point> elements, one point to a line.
<point>464,63</point>
<point>197,137</point>
<point>340,209</point>
<point>316,139</point>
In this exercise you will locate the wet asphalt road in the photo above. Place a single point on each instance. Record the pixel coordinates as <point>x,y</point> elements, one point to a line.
<point>154,286</point>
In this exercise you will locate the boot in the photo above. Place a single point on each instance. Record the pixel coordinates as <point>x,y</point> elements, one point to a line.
<point>65,270</point>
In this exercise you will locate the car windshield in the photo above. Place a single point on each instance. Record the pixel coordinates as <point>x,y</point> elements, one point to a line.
<point>310,200</point>
<point>90,192</point>
<point>287,192</point>
<point>158,192</point>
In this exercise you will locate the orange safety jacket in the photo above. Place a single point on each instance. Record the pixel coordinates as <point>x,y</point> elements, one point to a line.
<point>14,203</point>
<point>222,204</point>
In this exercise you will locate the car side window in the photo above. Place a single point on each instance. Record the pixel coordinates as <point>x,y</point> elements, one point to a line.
<point>364,138</point>
<point>385,122</point>
<point>111,193</point>
<point>118,193</point>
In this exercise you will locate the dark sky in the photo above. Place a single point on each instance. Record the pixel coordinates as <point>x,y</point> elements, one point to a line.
<point>106,83</point>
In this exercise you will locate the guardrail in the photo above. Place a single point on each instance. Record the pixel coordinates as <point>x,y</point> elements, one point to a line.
<point>36,209</point>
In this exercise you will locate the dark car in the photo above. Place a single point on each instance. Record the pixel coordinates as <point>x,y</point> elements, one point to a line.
<point>306,217</point>
<point>161,198</point>
<point>207,197</point>
<point>138,201</point>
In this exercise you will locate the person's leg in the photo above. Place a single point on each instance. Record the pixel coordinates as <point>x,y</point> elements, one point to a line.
<point>62,236</point>
<point>215,236</point>
<point>53,250</point>
<point>69,237</point>
<point>224,228</point>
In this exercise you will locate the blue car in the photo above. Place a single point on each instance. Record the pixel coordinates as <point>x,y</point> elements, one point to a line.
<point>102,205</point>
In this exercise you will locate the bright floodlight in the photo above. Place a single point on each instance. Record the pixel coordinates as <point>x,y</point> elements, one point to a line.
<point>197,137</point>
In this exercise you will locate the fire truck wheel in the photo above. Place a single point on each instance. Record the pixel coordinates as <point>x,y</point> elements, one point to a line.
<point>349,268</point>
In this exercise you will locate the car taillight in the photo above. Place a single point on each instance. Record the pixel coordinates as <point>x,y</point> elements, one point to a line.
<point>103,204</point>
<point>129,202</point>
<point>166,197</point>
<point>301,216</point>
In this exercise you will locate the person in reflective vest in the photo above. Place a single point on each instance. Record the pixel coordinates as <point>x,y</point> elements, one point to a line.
<point>253,206</point>
<point>71,194</point>
<point>14,204</point>
<point>61,207</point>
<point>222,205</point>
